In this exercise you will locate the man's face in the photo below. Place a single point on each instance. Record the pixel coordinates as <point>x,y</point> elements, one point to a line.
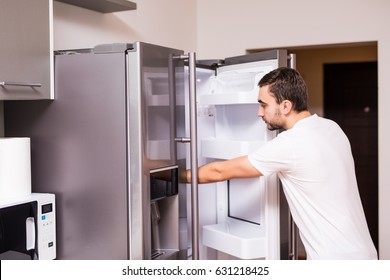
<point>269,110</point>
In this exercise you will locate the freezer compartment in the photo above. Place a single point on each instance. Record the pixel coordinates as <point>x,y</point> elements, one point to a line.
<point>244,220</point>
<point>237,238</point>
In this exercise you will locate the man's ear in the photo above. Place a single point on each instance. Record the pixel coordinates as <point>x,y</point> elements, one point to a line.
<point>286,107</point>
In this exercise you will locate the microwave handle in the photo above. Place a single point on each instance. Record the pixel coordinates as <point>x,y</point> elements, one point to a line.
<point>30,233</point>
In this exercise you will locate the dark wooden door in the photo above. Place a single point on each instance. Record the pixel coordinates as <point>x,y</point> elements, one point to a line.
<point>351,99</point>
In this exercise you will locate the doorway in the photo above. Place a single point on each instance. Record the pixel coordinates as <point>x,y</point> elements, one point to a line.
<point>351,100</point>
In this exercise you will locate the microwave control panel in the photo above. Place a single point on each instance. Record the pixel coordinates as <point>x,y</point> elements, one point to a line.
<point>28,227</point>
<point>47,228</point>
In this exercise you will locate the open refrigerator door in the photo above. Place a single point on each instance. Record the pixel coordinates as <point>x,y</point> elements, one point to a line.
<point>239,218</point>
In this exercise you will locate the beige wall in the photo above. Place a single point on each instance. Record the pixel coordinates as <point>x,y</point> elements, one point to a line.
<point>170,23</point>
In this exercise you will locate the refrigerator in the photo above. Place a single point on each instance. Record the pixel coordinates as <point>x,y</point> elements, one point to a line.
<point>126,121</point>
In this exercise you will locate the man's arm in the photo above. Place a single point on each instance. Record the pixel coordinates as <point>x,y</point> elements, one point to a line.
<point>217,171</point>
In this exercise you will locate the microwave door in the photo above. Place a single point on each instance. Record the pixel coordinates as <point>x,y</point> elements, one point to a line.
<point>18,231</point>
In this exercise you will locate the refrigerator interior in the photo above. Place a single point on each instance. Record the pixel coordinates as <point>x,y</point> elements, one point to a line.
<point>239,219</point>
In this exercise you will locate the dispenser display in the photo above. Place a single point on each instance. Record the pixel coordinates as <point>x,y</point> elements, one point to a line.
<point>163,183</point>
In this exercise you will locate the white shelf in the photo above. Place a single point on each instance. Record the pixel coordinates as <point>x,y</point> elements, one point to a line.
<point>237,238</point>
<point>227,149</point>
<point>249,97</point>
<point>235,85</point>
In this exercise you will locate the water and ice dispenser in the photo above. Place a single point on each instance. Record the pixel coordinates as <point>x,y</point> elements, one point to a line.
<point>164,213</point>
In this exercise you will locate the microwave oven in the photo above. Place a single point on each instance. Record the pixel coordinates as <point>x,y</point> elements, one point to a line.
<point>28,228</point>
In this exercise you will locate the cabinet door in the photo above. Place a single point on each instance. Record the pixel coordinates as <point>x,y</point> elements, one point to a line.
<point>26,49</point>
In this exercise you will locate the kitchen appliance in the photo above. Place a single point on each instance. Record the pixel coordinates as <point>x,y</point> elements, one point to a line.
<point>28,227</point>
<point>113,143</point>
<point>15,168</point>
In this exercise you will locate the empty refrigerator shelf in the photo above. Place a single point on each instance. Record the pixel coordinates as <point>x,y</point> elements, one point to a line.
<point>230,98</point>
<point>237,238</point>
<point>227,149</point>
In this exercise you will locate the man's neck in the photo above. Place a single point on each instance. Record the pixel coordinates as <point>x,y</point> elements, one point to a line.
<point>296,117</point>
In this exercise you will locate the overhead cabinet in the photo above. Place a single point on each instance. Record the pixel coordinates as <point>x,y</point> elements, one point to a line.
<point>103,6</point>
<point>26,50</point>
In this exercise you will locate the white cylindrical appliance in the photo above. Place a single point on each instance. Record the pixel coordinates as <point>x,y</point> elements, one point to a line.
<point>15,168</point>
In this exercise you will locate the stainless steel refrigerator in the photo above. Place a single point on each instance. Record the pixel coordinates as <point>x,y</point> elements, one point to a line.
<point>126,120</point>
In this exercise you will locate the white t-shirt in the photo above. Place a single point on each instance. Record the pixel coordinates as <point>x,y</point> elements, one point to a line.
<point>315,165</point>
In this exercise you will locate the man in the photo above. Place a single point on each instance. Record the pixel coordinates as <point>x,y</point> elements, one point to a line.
<point>314,162</point>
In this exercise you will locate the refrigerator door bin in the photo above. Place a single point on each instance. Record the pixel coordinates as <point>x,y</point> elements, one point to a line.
<point>237,238</point>
<point>229,98</point>
<point>234,84</point>
<point>227,149</point>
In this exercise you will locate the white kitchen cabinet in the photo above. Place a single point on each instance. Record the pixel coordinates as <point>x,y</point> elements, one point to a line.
<point>26,49</point>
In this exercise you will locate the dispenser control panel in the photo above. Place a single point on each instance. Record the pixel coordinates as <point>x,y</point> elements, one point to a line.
<point>164,182</point>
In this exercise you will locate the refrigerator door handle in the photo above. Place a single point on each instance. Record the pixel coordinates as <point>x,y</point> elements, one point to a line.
<point>293,229</point>
<point>292,58</point>
<point>191,57</point>
<point>194,156</point>
<point>183,139</point>
<point>293,239</point>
